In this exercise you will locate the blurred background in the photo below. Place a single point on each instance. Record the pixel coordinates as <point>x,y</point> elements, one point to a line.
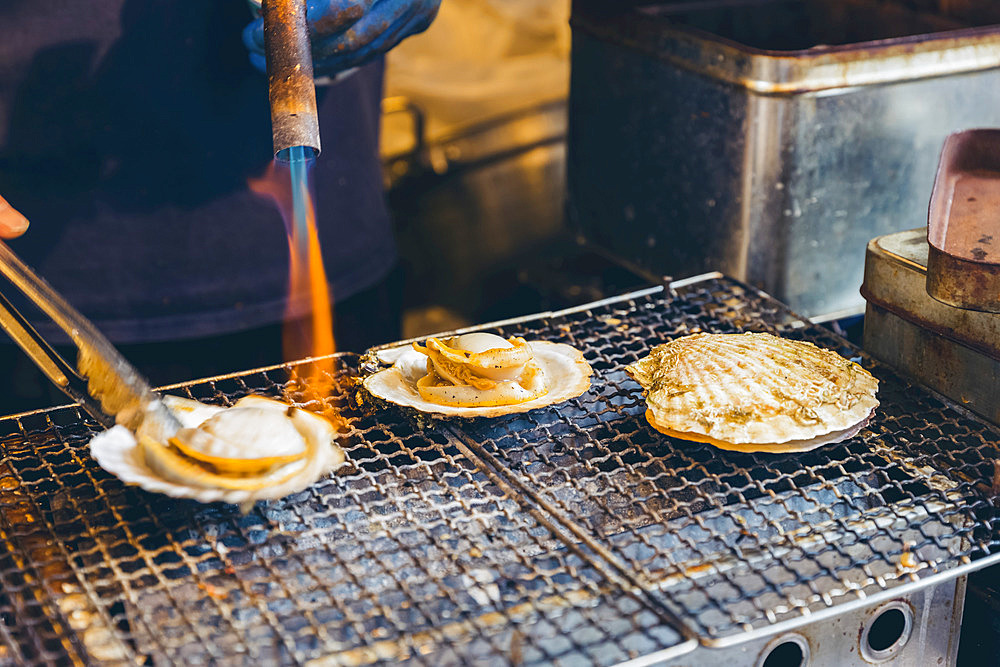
<point>474,146</point>
<point>700,135</point>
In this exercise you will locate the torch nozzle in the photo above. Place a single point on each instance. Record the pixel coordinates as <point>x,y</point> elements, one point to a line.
<point>294,121</point>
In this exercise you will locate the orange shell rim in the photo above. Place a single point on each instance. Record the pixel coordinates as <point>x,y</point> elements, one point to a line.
<point>790,447</point>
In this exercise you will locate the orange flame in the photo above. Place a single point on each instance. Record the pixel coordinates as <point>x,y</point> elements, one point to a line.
<point>308,325</point>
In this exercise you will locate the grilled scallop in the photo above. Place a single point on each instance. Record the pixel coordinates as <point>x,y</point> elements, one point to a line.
<point>480,375</point>
<point>258,449</point>
<point>754,392</point>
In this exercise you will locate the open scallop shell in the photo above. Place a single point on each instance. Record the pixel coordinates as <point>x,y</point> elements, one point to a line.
<point>567,375</point>
<point>150,465</point>
<point>754,392</point>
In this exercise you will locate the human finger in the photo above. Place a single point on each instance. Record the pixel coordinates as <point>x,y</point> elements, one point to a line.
<point>12,223</point>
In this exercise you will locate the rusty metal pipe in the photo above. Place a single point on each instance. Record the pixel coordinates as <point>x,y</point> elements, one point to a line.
<point>294,121</point>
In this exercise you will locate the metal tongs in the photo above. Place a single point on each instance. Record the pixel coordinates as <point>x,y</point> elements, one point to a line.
<point>107,386</point>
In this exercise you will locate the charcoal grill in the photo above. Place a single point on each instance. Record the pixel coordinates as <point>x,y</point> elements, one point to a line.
<point>573,534</point>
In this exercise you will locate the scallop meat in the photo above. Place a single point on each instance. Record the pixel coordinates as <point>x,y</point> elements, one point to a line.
<point>258,449</point>
<point>480,375</point>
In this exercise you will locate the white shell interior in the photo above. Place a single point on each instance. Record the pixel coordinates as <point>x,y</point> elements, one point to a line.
<point>117,450</point>
<point>567,374</point>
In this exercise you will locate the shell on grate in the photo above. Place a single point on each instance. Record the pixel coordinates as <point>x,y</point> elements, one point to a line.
<point>754,392</point>
<point>558,373</point>
<point>259,449</point>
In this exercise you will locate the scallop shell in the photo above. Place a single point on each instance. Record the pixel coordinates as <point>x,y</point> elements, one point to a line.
<point>567,375</point>
<point>153,467</point>
<point>754,392</point>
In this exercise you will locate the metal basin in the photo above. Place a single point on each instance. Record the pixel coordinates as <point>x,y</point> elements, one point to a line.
<point>770,140</point>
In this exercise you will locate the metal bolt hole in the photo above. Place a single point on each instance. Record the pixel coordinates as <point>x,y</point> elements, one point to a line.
<point>886,630</point>
<point>790,652</point>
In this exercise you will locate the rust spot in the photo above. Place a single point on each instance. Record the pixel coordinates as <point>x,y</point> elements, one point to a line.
<point>965,202</point>
<point>212,591</point>
<point>337,21</point>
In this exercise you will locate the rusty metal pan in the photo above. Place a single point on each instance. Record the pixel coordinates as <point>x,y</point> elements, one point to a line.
<point>963,230</point>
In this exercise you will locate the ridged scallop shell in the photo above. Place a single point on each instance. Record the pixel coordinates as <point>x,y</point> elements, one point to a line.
<point>741,390</point>
<point>567,375</point>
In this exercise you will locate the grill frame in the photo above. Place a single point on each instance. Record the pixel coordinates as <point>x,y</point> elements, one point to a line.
<point>408,503</point>
<point>449,458</point>
<point>780,320</point>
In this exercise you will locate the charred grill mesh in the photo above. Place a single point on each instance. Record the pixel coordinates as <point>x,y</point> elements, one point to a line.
<point>410,555</point>
<point>734,543</point>
<point>494,540</point>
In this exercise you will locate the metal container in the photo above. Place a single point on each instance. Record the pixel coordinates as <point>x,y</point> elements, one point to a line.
<point>952,350</point>
<point>771,139</point>
<point>963,265</point>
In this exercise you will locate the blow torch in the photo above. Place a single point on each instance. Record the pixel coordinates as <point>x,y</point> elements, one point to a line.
<point>292,92</point>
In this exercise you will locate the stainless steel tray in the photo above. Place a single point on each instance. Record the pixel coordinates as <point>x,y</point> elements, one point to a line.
<point>768,139</point>
<point>572,534</point>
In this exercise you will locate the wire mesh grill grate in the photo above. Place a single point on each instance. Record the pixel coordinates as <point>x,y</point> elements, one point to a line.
<point>735,543</point>
<point>573,534</point>
<point>411,555</point>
